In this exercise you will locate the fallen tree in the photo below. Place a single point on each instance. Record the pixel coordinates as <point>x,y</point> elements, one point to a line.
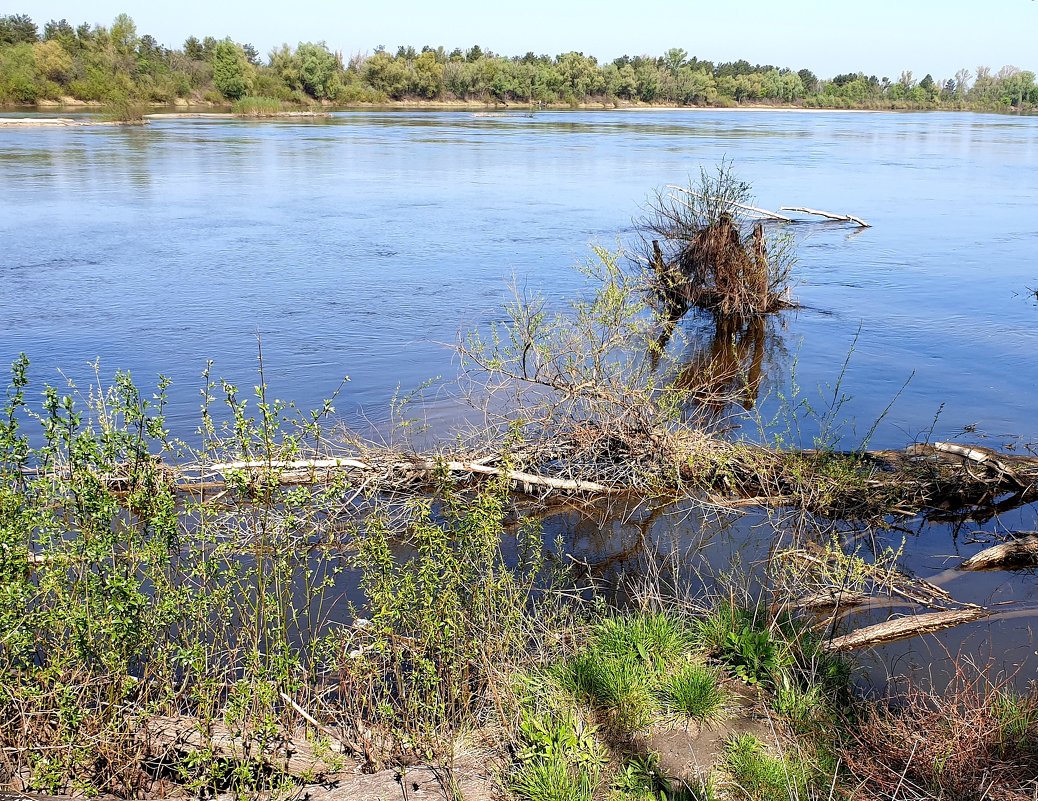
<point>923,479</point>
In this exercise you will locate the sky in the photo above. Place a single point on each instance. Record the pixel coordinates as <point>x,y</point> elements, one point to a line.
<point>826,36</point>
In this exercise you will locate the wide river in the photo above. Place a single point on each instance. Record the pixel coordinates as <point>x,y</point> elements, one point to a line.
<point>362,245</point>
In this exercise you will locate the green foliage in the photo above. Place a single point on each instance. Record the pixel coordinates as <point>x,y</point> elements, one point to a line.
<point>121,600</point>
<point>232,72</point>
<point>753,655</point>
<point>442,621</point>
<point>640,779</point>
<point>93,63</point>
<point>319,71</point>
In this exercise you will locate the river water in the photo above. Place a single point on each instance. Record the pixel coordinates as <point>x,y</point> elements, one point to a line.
<point>362,245</point>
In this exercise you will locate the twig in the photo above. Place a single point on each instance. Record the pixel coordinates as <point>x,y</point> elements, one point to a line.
<point>317,725</point>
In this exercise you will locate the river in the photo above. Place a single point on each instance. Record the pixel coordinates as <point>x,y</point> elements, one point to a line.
<point>361,245</point>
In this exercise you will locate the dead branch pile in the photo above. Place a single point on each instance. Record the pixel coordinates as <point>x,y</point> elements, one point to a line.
<point>582,459</point>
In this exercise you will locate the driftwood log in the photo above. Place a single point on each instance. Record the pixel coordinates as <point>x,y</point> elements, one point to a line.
<point>297,755</point>
<point>771,215</point>
<point>1015,554</point>
<point>900,628</point>
<point>938,480</point>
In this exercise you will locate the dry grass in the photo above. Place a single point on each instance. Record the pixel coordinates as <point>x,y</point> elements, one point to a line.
<point>976,740</point>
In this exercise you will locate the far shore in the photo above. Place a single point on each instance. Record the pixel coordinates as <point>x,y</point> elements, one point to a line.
<point>185,108</point>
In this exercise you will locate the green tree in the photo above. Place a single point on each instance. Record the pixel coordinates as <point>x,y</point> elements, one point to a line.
<point>232,73</point>
<point>193,49</point>
<point>427,75</point>
<point>387,74</point>
<point>18,82</point>
<point>320,70</point>
<point>674,59</point>
<point>52,61</point>
<point>61,32</point>
<point>17,29</point>
<point>809,81</point>
<point>123,34</point>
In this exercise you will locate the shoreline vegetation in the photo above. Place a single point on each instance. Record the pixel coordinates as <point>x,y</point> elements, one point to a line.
<point>65,64</point>
<point>283,607</point>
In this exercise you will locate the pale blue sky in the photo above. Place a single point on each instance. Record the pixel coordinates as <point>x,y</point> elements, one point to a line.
<point>827,36</point>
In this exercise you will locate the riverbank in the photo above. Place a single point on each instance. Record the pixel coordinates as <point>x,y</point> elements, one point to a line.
<point>191,107</point>
<point>59,122</point>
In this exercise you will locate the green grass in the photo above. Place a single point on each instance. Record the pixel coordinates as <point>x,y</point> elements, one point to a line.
<point>756,775</point>
<point>694,691</point>
<point>625,659</point>
<point>656,639</point>
<point>557,753</point>
<point>552,779</point>
<point>618,685</point>
<point>257,107</point>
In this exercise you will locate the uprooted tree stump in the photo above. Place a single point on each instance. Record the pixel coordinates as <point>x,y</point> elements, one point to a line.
<point>708,249</point>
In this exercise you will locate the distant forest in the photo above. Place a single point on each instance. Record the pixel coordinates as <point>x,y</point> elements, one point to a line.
<point>94,63</point>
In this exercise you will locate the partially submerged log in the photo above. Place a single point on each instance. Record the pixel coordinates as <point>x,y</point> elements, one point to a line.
<point>304,470</point>
<point>1013,555</point>
<point>586,461</point>
<point>903,627</point>
<point>829,215</point>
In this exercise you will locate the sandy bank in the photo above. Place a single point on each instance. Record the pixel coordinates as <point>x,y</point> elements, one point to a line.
<point>56,122</point>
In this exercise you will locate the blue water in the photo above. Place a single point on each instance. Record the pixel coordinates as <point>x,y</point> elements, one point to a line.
<point>363,244</point>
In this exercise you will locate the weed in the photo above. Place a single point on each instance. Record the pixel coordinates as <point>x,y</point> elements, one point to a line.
<point>441,624</point>
<point>621,686</point>
<point>753,655</point>
<point>552,779</point>
<point>639,779</point>
<point>656,639</point>
<point>967,742</point>
<point>121,108</point>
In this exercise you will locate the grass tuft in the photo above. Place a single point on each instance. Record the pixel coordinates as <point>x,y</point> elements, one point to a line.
<point>758,776</point>
<point>695,691</point>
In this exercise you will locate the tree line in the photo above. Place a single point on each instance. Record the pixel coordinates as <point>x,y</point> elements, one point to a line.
<point>97,63</point>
